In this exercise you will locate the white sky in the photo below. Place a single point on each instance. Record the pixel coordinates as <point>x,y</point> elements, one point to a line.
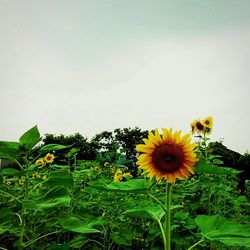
<point>93,65</point>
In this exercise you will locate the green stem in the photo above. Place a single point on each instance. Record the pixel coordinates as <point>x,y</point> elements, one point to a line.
<point>205,145</point>
<point>43,236</point>
<point>163,235</point>
<point>197,243</point>
<point>11,196</point>
<point>168,230</point>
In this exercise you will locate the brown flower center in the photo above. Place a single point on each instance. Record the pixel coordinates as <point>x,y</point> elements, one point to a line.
<point>199,126</point>
<point>168,158</point>
<point>207,122</point>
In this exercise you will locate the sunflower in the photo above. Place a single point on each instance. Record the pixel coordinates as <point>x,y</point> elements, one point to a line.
<point>40,162</point>
<point>49,158</point>
<point>208,123</point>
<point>200,127</point>
<point>168,156</point>
<point>193,127</point>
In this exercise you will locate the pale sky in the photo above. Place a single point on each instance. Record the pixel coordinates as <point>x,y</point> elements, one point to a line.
<point>92,65</point>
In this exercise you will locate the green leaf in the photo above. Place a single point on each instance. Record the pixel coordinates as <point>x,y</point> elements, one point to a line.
<point>52,147</point>
<point>146,210</point>
<point>78,242</point>
<point>204,168</point>
<point>58,178</point>
<point>135,185</point>
<point>4,229</point>
<point>74,224</point>
<point>8,152</point>
<point>56,197</point>
<point>57,202</point>
<point>10,171</point>
<point>216,228</point>
<point>29,204</point>
<point>9,144</point>
<point>30,138</point>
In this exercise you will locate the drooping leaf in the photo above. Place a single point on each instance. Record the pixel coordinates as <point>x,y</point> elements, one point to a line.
<point>216,228</point>
<point>52,147</point>
<point>55,198</point>
<point>74,224</point>
<point>136,185</point>
<point>203,167</point>
<point>30,138</point>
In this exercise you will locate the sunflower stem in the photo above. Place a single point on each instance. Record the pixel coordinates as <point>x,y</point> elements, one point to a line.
<point>163,235</point>
<point>167,216</point>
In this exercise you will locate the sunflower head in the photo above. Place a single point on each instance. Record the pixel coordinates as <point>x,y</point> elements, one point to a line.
<point>39,162</point>
<point>49,158</point>
<point>193,127</point>
<point>169,156</point>
<point>200,127</point>
<point>208,123</point>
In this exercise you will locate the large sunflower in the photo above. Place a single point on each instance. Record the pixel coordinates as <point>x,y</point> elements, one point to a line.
<point>168,156</point>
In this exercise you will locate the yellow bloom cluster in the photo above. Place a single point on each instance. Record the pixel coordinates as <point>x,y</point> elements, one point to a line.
<point>48,158</point>
<point>119,175</point>
<point>202,126</point>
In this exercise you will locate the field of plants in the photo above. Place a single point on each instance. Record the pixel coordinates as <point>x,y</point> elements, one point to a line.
<point>127,189</point>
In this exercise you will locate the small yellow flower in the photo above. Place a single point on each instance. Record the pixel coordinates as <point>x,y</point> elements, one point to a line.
<point>40,162</point>
<point>106,164</point>
<point>208,123</point>
<point>49,158</point>
<point>97,169</point>
<point>200,128</point>
<point>118,175</point>
<point>193,127</point>
<point>34,176</point>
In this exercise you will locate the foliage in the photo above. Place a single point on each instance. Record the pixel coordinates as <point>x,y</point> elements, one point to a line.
<point>74,202</point>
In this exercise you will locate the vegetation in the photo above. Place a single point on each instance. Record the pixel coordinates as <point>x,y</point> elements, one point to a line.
<point>68,192</point>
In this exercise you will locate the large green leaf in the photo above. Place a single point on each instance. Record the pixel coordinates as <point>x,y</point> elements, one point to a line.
<point>56,197</point>
<point>9,150</point>
<point>30,138</point>
<point>10,171</point>
<point>203,167</point>
<point>127,186</point>
<point>216,228</point>
<point>74,224</point>
<point>52,147</point>
<point>147,211</point>
<point>59,178</point>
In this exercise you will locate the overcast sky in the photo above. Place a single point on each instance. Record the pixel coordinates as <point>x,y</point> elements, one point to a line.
<point>92,65</point>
